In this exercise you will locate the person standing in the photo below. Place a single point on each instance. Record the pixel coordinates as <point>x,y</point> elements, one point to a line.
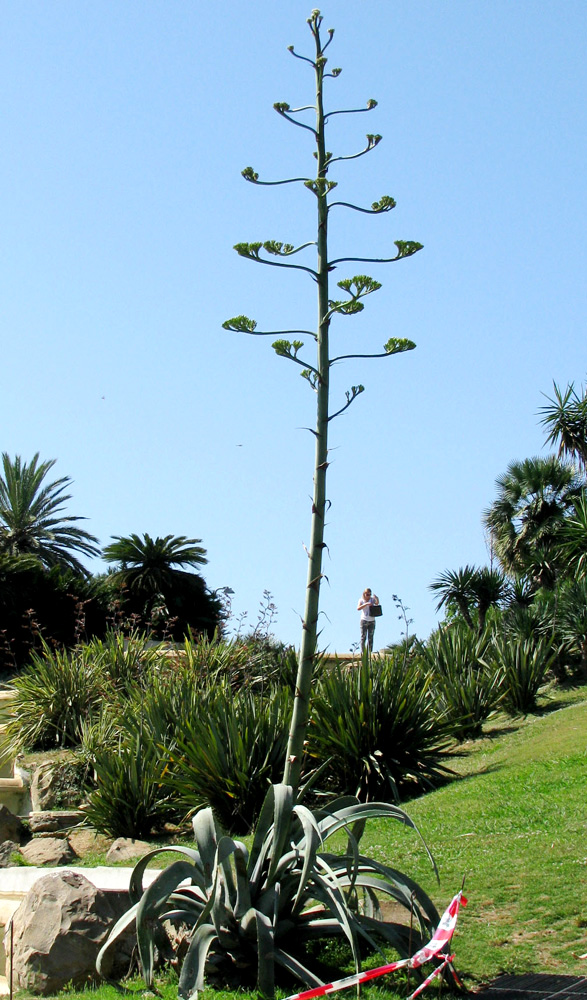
<point>365,604</point>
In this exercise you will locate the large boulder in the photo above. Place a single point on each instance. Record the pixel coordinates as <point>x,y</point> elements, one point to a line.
<point>58,930</point>
<point>11,827</point>
<point>126,850</point>
<point>57,784</point>
<point>52,851</point>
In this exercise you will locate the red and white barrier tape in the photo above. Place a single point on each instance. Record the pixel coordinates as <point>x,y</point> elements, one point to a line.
<point>434,948</point>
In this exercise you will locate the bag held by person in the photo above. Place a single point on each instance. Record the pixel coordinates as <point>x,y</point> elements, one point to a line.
<point>376,611</point>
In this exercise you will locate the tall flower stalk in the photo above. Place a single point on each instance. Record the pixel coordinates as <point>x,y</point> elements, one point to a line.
<point>317,373</point>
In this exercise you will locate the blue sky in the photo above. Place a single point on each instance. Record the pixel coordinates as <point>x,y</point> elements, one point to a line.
<point>124,130</point>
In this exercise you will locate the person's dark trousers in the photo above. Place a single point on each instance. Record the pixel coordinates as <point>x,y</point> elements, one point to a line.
<point>367,633</point>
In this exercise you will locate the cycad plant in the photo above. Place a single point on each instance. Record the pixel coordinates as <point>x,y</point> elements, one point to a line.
<point>378,728</point>
<point>256,911</point>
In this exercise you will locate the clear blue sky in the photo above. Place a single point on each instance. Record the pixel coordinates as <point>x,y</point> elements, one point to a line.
<point>124,130</point>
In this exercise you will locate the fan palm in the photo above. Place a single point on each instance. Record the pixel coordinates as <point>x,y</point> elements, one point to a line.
<point>148,566</point>
<point>31,518</point>
<point>566,421</point>
<point>454,587</point>
<point>534,498</point>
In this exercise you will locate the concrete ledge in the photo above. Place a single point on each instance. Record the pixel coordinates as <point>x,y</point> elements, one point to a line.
<point>17,881</point>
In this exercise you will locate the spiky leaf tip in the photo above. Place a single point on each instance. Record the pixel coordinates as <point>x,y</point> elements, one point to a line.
<point>397,345</point>
<point>385,204</point>
<point>407,247</point>
<point>240,324</point>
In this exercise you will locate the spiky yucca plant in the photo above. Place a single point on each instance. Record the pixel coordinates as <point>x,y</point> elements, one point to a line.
<point>255,911</point>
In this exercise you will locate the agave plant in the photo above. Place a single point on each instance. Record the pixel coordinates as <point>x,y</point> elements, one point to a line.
<point>257,910</point>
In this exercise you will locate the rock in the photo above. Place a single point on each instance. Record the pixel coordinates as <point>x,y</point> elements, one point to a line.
<point>59,929</point>
<point>7,849</point>
<point>56,784</point>
<point>125,849</point>
<point>48,851</point>
<point>51,821</point>
<point>11,827</point>
<point>87,841</point>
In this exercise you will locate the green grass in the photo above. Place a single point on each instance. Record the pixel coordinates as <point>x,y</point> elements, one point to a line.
<point>515,826</point>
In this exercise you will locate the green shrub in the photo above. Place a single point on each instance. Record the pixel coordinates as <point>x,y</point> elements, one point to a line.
<point>130,798</point>
<point>465,687</point>
<point>228,755</point>
<point>55,693</point>
<point>377,727</point>
<point>524,664</point>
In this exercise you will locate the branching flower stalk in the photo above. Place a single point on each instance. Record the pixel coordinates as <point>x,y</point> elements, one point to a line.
<point>276,254</point>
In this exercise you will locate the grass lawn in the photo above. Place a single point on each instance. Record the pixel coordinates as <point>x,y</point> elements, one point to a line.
<point>515,826</point>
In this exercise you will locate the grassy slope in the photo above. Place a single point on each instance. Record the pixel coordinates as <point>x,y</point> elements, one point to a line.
<point>515,826</point>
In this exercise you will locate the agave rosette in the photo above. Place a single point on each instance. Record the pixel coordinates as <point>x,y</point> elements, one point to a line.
<point>258,909</point>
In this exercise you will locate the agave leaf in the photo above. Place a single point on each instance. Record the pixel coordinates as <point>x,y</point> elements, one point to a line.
<point>342,802</point>
<point>317,927</point>
<point>262,829</point>
<point>281,824</point>
<point>206,834</point>
<point>300,971</point>
<point>135,888</point>
<point>326,889</point>
<point>226,847</point>
<point>194,964</point>
<point>121,925</point>
<point>363,811</point>
<point>403,889</point>
<point>243,892</point>
<point>265,955</point>
<point>151,906</point>
<point>371,810</point>
<point>308,847</point>
<point>404,940</point>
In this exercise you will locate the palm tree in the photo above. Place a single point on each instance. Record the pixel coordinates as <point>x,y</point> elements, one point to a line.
<point>470,589</point>
<point>454,587</point>
<point>534,498</point>
<point>148,570</point>
<point>573,540</point>
<point>31,519</point>
<point>566,421</point>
